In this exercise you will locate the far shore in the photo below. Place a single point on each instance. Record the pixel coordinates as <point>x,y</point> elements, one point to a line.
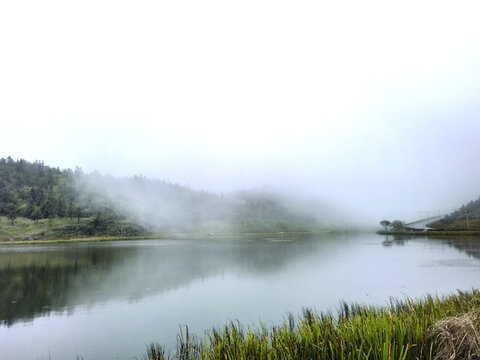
<point>250,235</point>
<point>435,233</point>
<point>83,239</point>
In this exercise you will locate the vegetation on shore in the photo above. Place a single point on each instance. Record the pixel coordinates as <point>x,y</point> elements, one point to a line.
<point>427,233</point>
<point>473,224</point>
<point>464,221</point>
<point>432,328</point>
<point>84,239</point>
<point>466,217</point>
<point>64,229</point>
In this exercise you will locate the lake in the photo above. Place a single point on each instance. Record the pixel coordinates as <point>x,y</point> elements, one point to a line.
<point>109,300</point>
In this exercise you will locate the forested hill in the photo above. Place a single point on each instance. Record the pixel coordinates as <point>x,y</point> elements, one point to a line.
<point>36,191</point>
<point>472,209</point>
<point>457,220</point>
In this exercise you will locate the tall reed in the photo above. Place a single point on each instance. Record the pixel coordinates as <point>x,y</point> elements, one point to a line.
<point>402,330</point>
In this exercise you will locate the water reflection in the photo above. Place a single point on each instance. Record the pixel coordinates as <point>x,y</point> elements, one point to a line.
<point>394,240</point>
<point>467,244</point>
<point>154,286</point>
<point>36,281</point>
<point>470,245</point>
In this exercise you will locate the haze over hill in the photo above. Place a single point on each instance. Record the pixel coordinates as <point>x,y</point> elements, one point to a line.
<point>36,191</point>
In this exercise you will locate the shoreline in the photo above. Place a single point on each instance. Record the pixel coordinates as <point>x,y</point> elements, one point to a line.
<point>79,240</point>
<point>427,233</point>
<point>249,235</point>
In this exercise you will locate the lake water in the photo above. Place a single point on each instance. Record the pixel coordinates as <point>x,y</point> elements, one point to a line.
<point>109,300</point>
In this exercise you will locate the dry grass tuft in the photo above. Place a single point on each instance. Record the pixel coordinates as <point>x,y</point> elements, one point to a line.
<point>457,337</point>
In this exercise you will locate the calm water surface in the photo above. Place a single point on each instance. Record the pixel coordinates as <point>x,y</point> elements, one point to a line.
<point>109,300</point>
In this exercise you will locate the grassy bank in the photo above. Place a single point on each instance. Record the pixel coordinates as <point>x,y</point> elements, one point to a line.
<point>61,230</point>
<point>24,229</point>
<point>85,239</point>
<point>286,236</point>
<point>27,231</point>
<point>428,328</point>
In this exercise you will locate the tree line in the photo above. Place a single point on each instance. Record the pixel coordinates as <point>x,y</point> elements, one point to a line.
<point>36,191</point>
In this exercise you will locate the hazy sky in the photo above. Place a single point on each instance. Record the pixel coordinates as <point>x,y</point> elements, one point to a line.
<point>372,106</point>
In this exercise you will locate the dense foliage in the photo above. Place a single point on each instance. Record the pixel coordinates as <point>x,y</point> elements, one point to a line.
<point>36,191</point>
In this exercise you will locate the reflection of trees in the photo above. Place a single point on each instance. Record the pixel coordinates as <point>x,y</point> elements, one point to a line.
<point>469,245</point>
<point>41,280</point>
<point>38,282</point>
<point>32,290</point>
<point>394,240</point>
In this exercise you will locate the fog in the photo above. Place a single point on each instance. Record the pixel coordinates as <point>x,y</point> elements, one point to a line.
<point>371,109</point>
<point>164,207</point>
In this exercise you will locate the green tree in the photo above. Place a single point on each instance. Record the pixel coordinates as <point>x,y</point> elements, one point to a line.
<point>12,212</point>
<point>36,214</point>
<point>397,225</point>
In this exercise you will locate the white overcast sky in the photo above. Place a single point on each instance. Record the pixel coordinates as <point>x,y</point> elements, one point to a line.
<point>373,106</point>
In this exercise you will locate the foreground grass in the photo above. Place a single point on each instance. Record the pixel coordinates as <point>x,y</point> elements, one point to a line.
<point>429,328</point>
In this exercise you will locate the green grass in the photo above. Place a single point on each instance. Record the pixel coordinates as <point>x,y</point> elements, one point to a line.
<point>403,330</point>
<point>26,231</point>
<point>84,239</point>
<point>60,230</point>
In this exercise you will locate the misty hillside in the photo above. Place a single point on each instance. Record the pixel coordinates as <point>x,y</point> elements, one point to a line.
<point>472,209</point>
<point>457,220</point>
<point>138,205</point>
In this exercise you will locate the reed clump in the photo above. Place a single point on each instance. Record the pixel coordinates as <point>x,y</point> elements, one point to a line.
<point>458,337</point>
<point>432,328</point>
